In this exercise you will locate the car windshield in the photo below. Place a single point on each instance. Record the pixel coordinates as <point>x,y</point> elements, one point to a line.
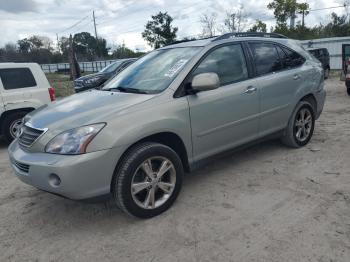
<point>154,72</point>
<point>112,67</point>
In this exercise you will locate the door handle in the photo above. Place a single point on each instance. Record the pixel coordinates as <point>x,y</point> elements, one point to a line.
<point>250,89</point>
<point>296,77</point>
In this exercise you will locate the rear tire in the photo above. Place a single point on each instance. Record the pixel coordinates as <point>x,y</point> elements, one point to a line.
<point>11,124</point>
<point>139,187</point>
<point>300,126</point>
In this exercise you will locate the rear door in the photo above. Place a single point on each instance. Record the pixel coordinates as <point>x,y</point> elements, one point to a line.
<point>16,83</point>
<point>278,79</point>
<point>2,107</point>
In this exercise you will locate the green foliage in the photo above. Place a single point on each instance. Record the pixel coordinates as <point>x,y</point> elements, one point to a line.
<point>159,31</point>
<point>286,9</point>
<point>88,47</point>
<point>124,52</point>
<point>338,26</point>
<point>259,26</point>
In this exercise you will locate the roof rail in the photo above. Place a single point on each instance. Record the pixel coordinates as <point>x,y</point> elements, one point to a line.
<point>189,40</point>
<point>249,34</point>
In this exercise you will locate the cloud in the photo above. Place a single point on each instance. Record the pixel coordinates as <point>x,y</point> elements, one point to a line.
<point>124,20</point>
<point>18,6</point>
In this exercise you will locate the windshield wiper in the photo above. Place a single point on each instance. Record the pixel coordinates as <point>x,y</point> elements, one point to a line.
<point>127,90</point>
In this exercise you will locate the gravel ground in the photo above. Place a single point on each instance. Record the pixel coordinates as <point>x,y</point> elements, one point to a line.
<point>265,203</point>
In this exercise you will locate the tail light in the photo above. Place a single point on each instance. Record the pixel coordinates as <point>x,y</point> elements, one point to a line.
<point>52,94</point>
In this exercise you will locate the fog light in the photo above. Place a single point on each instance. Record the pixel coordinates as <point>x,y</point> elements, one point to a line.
<point>54,180</point>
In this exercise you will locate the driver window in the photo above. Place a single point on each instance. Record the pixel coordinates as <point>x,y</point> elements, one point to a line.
<point>228,62</point>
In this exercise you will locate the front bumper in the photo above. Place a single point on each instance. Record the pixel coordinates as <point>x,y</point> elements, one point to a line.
<point>81,176</point>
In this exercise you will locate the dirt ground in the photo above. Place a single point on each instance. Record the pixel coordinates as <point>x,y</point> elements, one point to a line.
<point>266,203</point>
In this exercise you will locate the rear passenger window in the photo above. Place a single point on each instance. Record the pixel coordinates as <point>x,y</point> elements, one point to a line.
<point>290,59</point>
<point>228,62</point>
<point>266,58</point>
<point>13,78</point>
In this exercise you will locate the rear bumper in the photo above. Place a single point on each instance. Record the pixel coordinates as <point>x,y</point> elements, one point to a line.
<point>320,99</point>
<point>81,176</point>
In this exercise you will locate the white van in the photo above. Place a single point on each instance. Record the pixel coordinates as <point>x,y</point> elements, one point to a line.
<point>23,88</point>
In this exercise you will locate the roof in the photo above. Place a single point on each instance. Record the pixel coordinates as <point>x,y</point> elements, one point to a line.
<point>229,36</point>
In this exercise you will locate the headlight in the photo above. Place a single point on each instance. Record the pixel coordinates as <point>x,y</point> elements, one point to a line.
<point>74,141</point>
<point>92,80</point>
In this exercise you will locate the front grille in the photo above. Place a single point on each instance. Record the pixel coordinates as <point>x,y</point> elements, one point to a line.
<point>28,135</point>
<point>22,167</point>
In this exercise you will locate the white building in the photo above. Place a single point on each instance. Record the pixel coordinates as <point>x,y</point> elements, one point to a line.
<point>335,46</point>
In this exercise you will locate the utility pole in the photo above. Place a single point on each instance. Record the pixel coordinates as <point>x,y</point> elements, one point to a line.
<point>303,19</point>
<point>58,43</point>
<point>292,20</point>
<point>93,16</point>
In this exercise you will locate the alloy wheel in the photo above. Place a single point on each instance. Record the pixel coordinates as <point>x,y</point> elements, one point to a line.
<point>153,182</point>
<point>15,127</point>
<point>303,124</point>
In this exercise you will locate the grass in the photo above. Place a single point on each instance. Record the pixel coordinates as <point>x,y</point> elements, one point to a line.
<point>61,83</point>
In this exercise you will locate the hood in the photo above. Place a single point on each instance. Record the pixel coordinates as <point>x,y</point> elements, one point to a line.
<point>84,108</point>
<point>92,76</point>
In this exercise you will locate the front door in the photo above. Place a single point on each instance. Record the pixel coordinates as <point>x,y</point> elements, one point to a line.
<point>227,116</point>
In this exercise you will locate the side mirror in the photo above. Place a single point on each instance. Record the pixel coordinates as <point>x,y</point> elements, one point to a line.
<point>205,82</point>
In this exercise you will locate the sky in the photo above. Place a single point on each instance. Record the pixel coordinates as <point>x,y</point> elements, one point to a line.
<point>121,21</point>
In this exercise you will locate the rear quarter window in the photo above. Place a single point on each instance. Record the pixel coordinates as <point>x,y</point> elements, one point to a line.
<point>290,59</point>
<point>14,78</point>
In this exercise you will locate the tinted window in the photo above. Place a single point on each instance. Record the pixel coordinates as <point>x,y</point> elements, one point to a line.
<point>290,59</point>
<point>228,62</point>
<point>314,52</point>
<point>266,58</point>
<point>13,78</point>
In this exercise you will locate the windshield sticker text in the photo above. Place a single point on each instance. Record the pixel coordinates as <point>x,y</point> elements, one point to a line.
<point>175,68</point>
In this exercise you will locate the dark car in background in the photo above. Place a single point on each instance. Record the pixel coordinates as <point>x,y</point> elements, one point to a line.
<point>322,55</point>
<point>95,80</point>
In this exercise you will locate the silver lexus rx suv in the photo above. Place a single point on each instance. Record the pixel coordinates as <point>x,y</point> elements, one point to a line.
<point>166,113</point>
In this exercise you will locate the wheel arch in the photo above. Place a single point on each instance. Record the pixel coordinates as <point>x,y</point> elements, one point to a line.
<point>169,139</point>
<point>9,112</point>
<point>312,100</point>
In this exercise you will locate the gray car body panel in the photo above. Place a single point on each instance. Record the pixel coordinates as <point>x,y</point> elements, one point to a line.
<point>207,122</point>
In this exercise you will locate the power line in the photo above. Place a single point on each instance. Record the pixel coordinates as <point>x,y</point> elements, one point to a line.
<point>325,8</point>
<point>74,25</point>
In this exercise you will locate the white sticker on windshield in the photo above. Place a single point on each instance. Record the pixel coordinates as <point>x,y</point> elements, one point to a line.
<point>175,68</point>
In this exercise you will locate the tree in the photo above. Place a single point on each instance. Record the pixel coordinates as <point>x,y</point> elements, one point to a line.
<point>259,26</point>
<point>24,45</point>
<point>208,24</point>
<point>303,9</point>
<point>286,9</point>
<point>236,21</point>
<point>88,47</point>
<point>159,31</point>
<point>27,45</point>
<point>123,52</point>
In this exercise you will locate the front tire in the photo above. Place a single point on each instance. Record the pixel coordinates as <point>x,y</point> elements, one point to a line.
<point>11,124</point>
<point>148,180</point>
<point>300,126</point>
